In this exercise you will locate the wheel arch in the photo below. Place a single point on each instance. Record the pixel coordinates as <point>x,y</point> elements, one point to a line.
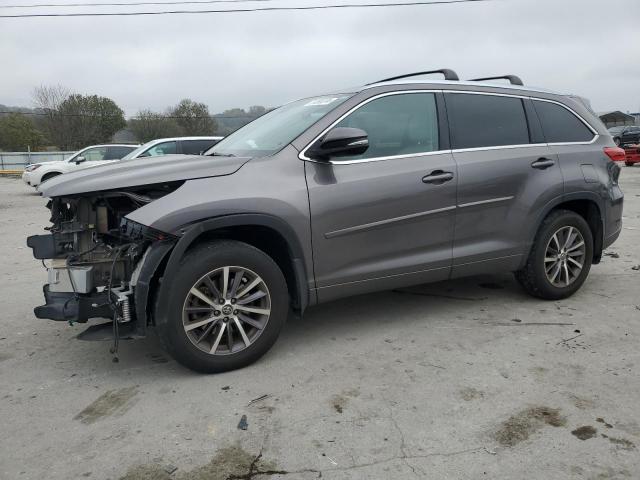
<point>265,232</point>
<point>46,176</point>
<point>588,206</point>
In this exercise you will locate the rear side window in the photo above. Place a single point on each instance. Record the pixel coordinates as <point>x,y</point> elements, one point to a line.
<point>402,124</point>
<point>116,153</point>
<point>486,120</point>
<point>196,147</point>
<point>560,125</point>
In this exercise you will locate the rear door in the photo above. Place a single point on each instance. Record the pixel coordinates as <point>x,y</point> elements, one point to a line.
<point>506,173</point>
<point>385,218</point>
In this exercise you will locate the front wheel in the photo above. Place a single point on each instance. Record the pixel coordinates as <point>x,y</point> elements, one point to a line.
<point>560,258</point>
<point>227,305</point>
<point>629,164</point>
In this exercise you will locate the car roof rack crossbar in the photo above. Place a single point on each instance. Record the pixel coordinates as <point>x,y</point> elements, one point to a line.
<point>513,79</point>
<point>448,75</point>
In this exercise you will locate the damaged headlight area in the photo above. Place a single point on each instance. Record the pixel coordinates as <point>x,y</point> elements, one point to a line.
<point>97,256</point>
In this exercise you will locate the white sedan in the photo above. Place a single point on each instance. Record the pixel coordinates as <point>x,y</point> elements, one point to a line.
<point>91,156</point>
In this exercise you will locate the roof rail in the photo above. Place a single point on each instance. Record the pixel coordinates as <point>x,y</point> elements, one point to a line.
<point>448,75</point>
<point>513,79</point>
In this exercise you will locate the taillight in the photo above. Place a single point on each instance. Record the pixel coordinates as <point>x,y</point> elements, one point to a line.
<point>616,154</point>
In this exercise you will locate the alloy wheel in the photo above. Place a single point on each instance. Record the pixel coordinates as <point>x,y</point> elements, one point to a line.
<point>564,256</point>
<point>226,310</point>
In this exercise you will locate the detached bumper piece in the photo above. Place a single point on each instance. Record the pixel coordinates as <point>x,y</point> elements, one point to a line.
<point>65,307</point>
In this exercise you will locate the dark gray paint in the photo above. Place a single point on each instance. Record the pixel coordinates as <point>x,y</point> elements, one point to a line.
<point>375,225</point>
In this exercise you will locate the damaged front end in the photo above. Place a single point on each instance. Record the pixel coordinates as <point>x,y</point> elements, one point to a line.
<point>102,265</point>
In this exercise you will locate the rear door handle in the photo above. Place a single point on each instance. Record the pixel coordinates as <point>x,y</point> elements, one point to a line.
<point>543,163</point>
<point>437,177</point>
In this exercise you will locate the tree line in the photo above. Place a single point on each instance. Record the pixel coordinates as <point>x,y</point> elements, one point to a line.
<point>69,121</point>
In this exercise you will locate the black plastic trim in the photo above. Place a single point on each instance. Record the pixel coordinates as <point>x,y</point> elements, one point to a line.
<point>192,232</point>
<point>65,307</point>
<point>446,72</point>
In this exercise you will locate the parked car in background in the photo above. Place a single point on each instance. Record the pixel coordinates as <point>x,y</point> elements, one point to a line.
<point>625,135</point>
<point>171,146</point>
<point>91,156</point>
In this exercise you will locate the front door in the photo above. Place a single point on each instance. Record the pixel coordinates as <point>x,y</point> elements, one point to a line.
<point>384,218</point>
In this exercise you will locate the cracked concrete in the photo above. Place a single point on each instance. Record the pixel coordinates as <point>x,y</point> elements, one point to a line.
<point>424,379</point>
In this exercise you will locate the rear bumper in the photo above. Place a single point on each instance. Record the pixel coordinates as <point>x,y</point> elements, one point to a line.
<point>613,216</point>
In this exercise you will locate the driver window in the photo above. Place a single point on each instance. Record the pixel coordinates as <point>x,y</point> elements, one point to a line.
<point>165,148</point>
<point>400,124</point>
<point>94,154</point>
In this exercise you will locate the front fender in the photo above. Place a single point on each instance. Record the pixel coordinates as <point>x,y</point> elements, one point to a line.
<point>192,232</point>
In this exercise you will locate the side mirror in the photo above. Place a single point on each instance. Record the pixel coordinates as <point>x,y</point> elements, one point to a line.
<point>339,142</point>
<point>80,159</point>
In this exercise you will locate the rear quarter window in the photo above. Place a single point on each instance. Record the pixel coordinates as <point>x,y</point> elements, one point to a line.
<point>486,120</point>
<point>560,125</point>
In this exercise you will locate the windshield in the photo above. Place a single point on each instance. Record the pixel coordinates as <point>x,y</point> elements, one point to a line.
<point>276,129</point>
<point>616,129</point>
<point>137,151</point>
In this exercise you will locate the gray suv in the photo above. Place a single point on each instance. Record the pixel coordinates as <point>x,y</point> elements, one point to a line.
<point>400,182</point>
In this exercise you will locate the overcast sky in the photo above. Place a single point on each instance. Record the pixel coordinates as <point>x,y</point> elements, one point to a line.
<point>588,47</point>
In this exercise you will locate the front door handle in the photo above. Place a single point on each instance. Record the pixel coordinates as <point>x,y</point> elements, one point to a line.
<point>543,163</point>
<point>437,177</point>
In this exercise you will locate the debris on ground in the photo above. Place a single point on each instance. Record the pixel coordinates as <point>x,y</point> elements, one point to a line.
<point>584,433</point>
<point>243,424</point>
<point>520,426</point>
<point>611,254</point>
<point>635,267</point>
<point>602,420</point>
<point>170,468</point>
<point>259,399</point>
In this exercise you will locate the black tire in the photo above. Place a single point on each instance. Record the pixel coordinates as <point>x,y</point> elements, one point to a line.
<point>198,263</point>
<point>629,164</point>
<point>533,277</point>
<point>49,176</point>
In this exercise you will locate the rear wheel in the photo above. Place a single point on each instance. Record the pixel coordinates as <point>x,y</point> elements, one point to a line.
<point>629,164</point>
<point>228,304</point>
<point>560,258</point>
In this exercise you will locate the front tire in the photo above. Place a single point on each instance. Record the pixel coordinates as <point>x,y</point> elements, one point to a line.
<point>227,305</point>
<point>560,258</point>
<point>629,164</point>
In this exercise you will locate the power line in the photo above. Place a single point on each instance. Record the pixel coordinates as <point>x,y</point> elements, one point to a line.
<point>135,117</point>
<point>127,4</point>
<point>243,10</point>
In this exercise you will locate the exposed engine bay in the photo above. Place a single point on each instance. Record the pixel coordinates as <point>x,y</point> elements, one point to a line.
<point>95,254</point>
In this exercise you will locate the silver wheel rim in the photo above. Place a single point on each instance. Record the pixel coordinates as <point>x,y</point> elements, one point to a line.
<point>564,256</point>
<point>226,310</point>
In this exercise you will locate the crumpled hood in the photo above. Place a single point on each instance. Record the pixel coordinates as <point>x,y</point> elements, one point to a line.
<point>140,171</point>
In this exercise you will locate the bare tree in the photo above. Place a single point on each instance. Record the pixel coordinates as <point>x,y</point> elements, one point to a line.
<point>49,99</point>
